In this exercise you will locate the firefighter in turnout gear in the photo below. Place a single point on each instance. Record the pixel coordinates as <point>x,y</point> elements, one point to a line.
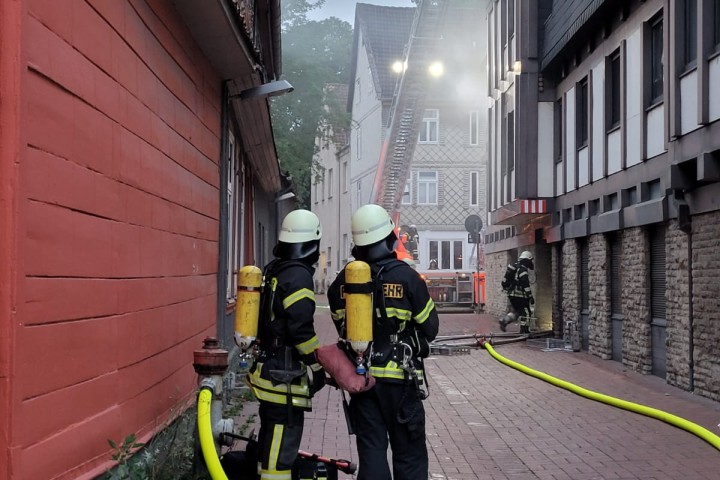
<point>517,285</point>
<point>286,374</point>
<point>404,322</point>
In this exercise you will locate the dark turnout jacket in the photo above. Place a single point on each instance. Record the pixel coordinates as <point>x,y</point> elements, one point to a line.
<point>404,307</point>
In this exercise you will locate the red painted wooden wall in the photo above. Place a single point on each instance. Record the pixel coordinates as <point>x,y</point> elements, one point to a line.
<point>112,249</point>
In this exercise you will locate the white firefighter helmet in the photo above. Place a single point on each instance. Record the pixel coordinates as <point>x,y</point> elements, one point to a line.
<point>526,255</point>
<point>300,226</point>
<point>370,224</point>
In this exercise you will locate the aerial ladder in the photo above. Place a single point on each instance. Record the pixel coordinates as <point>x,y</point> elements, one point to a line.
<point>407,107</point>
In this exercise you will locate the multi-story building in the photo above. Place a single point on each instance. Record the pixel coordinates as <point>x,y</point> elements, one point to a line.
<point>614,139</point>
<point>445,178</point>
<point>330,194</point>
<point>418,147</point>
<point>380,38</point>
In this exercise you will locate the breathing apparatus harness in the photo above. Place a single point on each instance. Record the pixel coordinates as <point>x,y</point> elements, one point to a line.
<point>402,350</point>
<point>270,346</point>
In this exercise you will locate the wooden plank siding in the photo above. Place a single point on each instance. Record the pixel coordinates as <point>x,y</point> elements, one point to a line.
<point>117,229</point>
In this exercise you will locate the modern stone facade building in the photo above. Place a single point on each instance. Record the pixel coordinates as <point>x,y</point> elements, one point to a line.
<point>607,126</point>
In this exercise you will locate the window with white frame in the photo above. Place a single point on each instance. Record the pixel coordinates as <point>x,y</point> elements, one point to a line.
<point>427,193</point>
<point>430,126</point>
<point>474,189</point>
<point>234,206</point>
<point>358,143</point>
<point>345,250</point>
<point>322,185</point>
<point>330,183</point>
<point>445,254</point>
<point>474,134</point>
<point>371,84</point>
<point>407,193</point>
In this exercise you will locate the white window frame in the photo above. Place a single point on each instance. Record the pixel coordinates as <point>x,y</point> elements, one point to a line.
<point>234,207</point>
<point>322,186</point>
<point>430,129</point>
<point>451,243</point>
<point>427,187</point>
<point>407,193</point>
<point>474,128</point>
<point>474,190</point>
<point>330,183</point>
<point>358,143</point>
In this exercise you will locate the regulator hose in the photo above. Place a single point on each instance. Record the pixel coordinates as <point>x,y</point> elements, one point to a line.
<point>207,444</point>
<point>674,420</point>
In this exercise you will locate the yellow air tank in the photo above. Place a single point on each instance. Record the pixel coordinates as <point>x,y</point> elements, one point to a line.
<point>247,311</point>
<point>358,311</point>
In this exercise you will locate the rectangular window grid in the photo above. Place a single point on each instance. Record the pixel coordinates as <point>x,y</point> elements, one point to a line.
<point>474,189</point>
<point>407,193</point>
<point>427,188</point>
<point>430,126</point>
<point>656,60</point>
<point>474,134</point>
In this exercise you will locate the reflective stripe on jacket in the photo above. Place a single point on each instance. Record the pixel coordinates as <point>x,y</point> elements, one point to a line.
<point>268,391</point>
<point>286,323</point>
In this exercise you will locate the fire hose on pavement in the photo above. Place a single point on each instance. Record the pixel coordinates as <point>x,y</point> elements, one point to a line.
<point>674,420</point>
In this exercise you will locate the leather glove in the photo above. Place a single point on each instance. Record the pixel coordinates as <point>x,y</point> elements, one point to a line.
<point>316,378</point>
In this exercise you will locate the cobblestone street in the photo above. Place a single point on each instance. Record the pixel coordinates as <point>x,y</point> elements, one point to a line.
<point>486,420</point>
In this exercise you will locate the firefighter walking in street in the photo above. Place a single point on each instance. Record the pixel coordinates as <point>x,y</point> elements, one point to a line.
<point>286,374</point>
<point>517,285</point>
<point>404,322</point>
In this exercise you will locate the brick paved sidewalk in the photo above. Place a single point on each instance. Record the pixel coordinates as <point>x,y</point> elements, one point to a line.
<point>486,420</point>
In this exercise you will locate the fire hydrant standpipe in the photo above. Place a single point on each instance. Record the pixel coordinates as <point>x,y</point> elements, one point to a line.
<point>205,433</point>
<point>674,420</point>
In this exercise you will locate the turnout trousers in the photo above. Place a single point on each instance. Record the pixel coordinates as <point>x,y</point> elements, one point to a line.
<point>520,305</point>
<point>278,442</point>
<point>377,424</point>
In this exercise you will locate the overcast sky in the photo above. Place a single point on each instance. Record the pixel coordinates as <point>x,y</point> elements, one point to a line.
<point>345,9</point>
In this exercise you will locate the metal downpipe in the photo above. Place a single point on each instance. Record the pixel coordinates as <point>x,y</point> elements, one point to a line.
<point>205,433</point>
<point>674,420</point>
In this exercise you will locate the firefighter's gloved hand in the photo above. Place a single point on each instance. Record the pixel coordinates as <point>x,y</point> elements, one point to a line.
<point>532,309</point>
<point>316,378</point>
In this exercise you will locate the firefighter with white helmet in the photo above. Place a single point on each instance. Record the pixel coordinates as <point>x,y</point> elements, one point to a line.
<point>286,374</point>
<point>404,322</point>
<point>517,286</point>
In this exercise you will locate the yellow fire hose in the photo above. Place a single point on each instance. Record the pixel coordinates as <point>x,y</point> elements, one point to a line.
<point>674,420</point>
<point>206,436</point>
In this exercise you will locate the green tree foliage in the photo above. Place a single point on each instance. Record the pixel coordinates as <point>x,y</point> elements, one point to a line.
<point>313,55</point>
